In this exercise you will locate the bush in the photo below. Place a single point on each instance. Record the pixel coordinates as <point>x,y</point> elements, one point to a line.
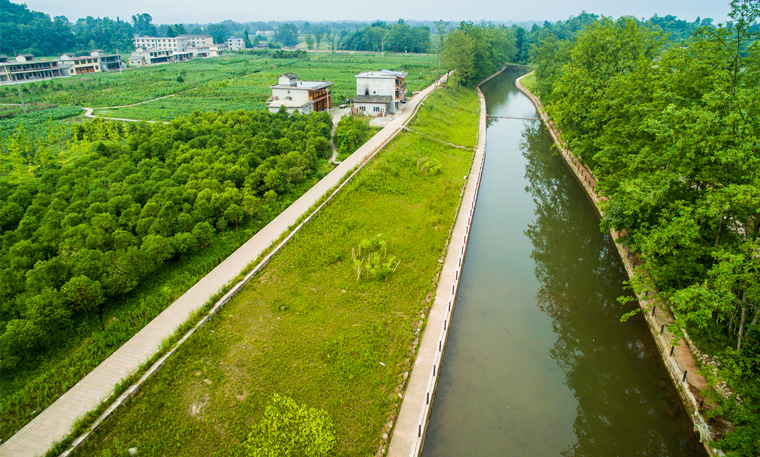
<point>290,429</point>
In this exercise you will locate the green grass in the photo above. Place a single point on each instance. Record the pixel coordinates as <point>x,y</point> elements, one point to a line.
<point>306,327</point>
<point>529,82</point>
<point>441,120</point>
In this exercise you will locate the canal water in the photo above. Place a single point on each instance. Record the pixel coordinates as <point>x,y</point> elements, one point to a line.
<point>537,361</point>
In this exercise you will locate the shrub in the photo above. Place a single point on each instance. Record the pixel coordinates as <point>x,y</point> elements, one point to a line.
<point>290,429</point>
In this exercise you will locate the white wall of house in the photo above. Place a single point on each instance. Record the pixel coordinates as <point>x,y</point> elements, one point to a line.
<point>376,86</point>
<point>235,44</point>
<point>296,95</point>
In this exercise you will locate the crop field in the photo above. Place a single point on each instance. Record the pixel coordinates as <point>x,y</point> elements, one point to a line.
<point>309,327</point>
<point>226,83</point>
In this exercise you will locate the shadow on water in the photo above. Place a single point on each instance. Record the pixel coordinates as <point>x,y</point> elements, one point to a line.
<point>626,404</point>
<point>538,362</point>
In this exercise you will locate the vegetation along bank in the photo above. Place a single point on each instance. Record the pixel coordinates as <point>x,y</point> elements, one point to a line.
<point>667,132</point>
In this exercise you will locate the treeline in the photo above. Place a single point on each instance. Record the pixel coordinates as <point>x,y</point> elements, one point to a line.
<point>670,132</point>
<point>77,235</point>
<point>527,40</point>
<point>379,35</point>
<point>26,31</point>
<point>475,52</point>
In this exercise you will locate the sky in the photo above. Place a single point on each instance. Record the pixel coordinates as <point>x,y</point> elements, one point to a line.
<point>205,11</point>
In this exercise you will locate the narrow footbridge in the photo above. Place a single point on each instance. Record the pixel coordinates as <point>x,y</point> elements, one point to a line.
<point>518,118</point>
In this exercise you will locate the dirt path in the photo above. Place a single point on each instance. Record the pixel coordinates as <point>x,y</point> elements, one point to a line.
<point>88,111</point>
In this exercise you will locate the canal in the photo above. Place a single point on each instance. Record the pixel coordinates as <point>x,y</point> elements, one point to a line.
<point>537,361</point>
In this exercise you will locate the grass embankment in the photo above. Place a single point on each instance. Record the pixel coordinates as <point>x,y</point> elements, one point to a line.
<point>307,328</point>
<point>529,82</point>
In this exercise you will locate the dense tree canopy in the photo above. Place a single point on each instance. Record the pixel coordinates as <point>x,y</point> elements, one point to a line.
<point>671,134</point>
<point>23,30</point>
<point>475,52</point>
<point>77,234</point>
<point>398,37</point>
<point>287,34</point>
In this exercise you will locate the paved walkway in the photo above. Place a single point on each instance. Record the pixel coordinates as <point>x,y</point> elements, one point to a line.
<point>409,432</point>
<point>56,421</point>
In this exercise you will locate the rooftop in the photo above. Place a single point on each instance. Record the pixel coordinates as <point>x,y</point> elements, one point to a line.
<point>306,85</point>
<point>383,74</point>
<point>372,98</point>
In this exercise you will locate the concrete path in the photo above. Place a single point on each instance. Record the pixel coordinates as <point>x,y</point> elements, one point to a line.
<point>56,421</point>
<point>412,421</point>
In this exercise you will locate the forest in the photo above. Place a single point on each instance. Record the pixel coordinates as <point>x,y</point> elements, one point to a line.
<point>670,132</point>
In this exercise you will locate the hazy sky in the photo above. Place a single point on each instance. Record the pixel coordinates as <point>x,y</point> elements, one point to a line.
<point>203,11</point>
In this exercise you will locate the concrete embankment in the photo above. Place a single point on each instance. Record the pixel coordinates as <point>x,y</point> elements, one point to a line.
<point>409,432</point>
<point>678,357</point>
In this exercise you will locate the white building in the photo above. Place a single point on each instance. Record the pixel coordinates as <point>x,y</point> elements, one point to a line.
<point>235,43</point>
<point>178,43</point>
<point>380,92</point>
<point>141,56</point>
<point>304,96</point>
<point>154,50</point>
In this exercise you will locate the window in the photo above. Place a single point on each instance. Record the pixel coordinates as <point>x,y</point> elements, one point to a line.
<point>376,109</point>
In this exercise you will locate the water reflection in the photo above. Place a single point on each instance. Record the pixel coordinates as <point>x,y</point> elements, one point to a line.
<point>537,362</point>
<point>625,405</point>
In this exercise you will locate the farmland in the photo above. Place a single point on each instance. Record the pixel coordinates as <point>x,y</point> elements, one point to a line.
<point>227,83</point>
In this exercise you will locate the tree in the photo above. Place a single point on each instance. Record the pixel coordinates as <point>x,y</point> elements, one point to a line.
<point>82,294</point>
<point>246,40</point>
<point>309,41</point>
<point>318,34</point>
<point>203,232</point>
<point>251,206</point>
<point>287,34</point>
<point>458,56</point>
<point>234,214</point>
<point>441,29</point>
<point>143,25</point>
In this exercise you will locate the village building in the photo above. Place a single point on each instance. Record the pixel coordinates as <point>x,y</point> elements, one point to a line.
<point>178,43</point>
<point>379,93</point>
<point>96,62</point>
<point>156,50</point>
<point>142,57</point>
<point>216,50</point>
<point>25,68</point>
<point>235,43</point>
<point>304,96</point>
